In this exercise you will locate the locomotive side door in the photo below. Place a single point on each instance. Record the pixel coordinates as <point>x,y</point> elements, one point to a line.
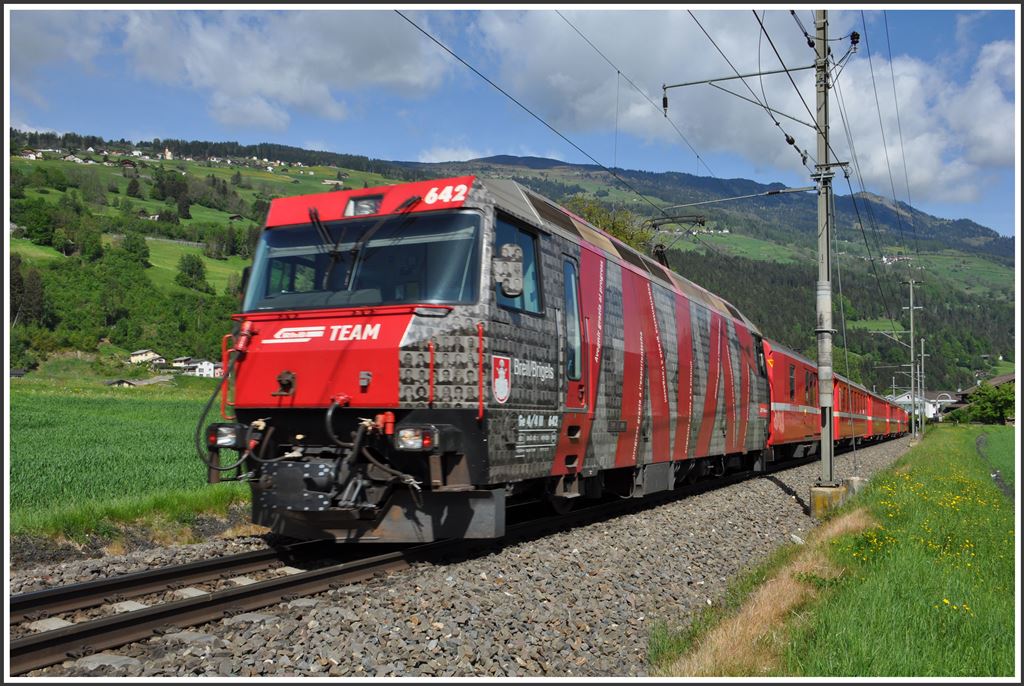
<point>572,334</point>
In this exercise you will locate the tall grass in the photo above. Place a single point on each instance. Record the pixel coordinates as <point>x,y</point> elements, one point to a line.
<point>83,455</point>
<point>930,591</point>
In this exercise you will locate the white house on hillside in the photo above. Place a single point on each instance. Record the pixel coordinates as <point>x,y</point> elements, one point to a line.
<point>204,368</point>
<point>143,356</point>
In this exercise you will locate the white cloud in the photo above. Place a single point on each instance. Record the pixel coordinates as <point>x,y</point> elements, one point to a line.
<point>24,126</point>
<point>953,133</point>
<point>255,67</point>
<point>450,154</point>
<point>43,37</point>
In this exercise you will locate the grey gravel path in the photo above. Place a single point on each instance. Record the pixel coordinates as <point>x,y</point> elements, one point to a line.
<point>577,603</point>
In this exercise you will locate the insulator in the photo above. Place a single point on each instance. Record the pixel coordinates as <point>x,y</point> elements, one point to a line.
<point>664,104</point>
<point>854,38</point>
<point>790,139</point>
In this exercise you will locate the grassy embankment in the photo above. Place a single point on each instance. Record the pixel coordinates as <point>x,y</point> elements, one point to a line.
<point>914,577</point>
<point>85,457</point>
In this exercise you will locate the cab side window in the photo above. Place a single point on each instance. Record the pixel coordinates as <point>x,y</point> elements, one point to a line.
<point>529,300</point>
<point>573,339</point>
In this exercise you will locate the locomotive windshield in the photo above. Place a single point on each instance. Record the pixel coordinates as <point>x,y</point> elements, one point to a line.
<point>406,259</point>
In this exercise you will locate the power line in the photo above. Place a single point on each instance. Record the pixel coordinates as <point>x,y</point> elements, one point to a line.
<point>789,139</point>
<point>885,148</point>
<point>860,222</point>
<point>896,100</point>
<point>857,168</point>
<point>541,120</point>
<point>801,96</point>
<point>638,90</point>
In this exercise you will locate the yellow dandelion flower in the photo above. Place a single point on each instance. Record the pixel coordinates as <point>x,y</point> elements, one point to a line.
<point>946,601</point>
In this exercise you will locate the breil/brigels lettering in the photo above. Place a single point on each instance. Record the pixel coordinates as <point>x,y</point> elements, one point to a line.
<point>533,369</point>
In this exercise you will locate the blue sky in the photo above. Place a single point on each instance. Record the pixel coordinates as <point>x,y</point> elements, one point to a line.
<point>367,82</point>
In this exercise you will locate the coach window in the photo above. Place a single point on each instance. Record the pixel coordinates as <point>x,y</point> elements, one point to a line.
<point>573,344</point>
<point>792,382</point>
<point>529,299</point>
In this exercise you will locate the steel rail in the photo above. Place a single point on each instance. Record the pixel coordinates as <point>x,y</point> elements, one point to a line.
<point>51,601</point>
<point>50,647</point>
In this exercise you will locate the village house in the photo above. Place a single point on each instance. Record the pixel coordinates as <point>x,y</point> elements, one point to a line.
<point>204,368</point>
<point>143,356</point>
<point>181,361</point>
<point>131,383</point>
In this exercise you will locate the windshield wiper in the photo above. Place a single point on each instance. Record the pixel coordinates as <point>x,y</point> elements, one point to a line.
<point>406,205</point>
<point>325,238</point>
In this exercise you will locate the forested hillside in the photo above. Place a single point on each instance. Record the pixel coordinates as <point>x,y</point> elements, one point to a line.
<point>119,245</point>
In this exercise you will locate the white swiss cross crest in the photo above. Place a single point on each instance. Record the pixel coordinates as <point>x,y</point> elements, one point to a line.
<point>501,377</point>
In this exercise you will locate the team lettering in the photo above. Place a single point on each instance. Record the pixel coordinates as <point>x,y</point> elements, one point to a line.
<point>355,332</point>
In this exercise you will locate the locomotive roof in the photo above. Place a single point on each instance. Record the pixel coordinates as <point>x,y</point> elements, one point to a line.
<point>519,200</point>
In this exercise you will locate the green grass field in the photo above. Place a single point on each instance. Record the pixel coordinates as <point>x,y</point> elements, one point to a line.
<point>743,246</point>
<point>930,591</point>
<point>85,456</point>
<point>32,253</point>
<point>971,273</point>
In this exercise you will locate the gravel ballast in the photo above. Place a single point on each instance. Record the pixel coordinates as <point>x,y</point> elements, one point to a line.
<point>576,603</point>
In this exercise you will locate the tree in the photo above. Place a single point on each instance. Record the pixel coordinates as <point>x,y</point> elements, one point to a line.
<point>183,203</point>
<point>192,273</point>
<point>991,404</point>
<point>234,285</point>
<point>622,224</point>
<point>236,178</point>
<point>135,245</point>
<point>17,287</point>
<point>61,241</point>
<point>33,301</point>
<point>90,245</point>
<point>134,190</point>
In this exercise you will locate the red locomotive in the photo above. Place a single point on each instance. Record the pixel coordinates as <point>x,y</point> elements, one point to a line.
<point>411,358</point>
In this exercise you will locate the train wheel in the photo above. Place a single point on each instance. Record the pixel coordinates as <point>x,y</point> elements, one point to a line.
<point>560,505</point>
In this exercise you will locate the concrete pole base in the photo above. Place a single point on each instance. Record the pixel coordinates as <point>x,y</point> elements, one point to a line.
<point>855,484</point>
<point>825,498</point>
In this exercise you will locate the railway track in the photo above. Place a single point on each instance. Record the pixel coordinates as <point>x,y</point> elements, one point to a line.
<point>46,648</point>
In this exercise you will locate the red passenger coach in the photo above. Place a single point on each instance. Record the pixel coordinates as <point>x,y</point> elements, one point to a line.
<point>795,415</point>
<point>411,358</point>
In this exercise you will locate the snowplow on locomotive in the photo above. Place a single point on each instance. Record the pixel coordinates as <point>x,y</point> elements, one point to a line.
<point>411,358</point>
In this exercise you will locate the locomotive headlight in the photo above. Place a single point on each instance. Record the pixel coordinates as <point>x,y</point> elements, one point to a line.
<point>415,439</point>
<point>361,206</point>
<point>225,436</point>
